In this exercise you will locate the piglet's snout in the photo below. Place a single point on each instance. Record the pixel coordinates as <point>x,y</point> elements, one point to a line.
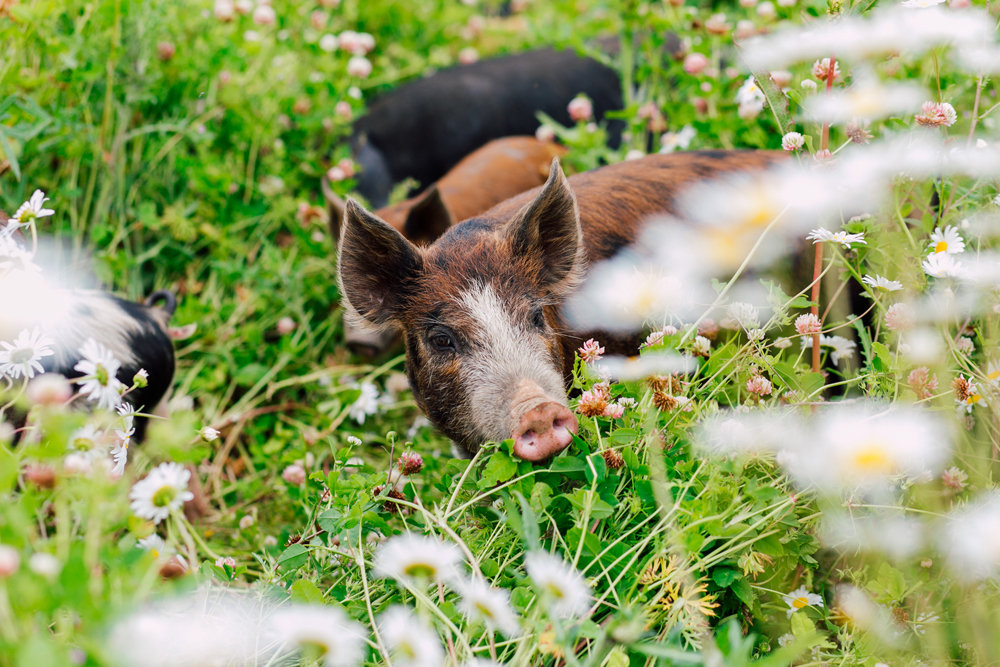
<point>542,426</point>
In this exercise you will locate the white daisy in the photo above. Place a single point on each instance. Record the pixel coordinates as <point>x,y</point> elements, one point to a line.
<point>882,284</point>
<point>338,640</point>
<point>99,368</point>
<point>162,491</point>
<point>801,598</point>
<point>86,440</point>
<point>32,209</point>
<point>412,559</point>
<point>13,256</point>
<point>843,238</point>
<point>971,539</point>
<point>410,640</point>
<point>842,347</point>
<point>155,545</point>
<point>942,265</point>
<point>367,403</point>
<point>947,241</point>
<point>24,355</point>
<point>559,583</point>
<point>750,99</point>
<point>482,602</point>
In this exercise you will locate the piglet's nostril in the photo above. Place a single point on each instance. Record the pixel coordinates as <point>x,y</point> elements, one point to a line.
<point>544,431</point>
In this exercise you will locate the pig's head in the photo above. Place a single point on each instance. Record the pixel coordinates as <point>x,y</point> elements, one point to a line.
<point>479,311</point>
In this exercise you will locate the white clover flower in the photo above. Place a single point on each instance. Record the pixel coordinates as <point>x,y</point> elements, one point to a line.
<point>23,356</point>
<point>949,241</point>
<point>339,640</point>
<point>328,43</point>
<point>841,237</point>
<point>482,602</point>
<point>411,558</point>
<point>809,86</point>
<point>792,141</point>
<point>359,66</point>
<point>942,265</point>
<point>412,642</point>
<point>745,314</point>
<point>801,598</point>
<point>701,346</point>
<point>32,209</point>
<point>367,403</point>
<point>560,584</point>
<point>99,382</point>
<point>882,284</point>
<point>161,492</point>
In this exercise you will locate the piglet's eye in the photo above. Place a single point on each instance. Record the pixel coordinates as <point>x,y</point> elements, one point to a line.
<point>442,342</point>
<point>538,319</point>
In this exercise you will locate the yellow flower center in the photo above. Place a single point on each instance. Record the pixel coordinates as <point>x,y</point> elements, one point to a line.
<point>799,603</point>
<point>941,246</point>
<point>164,496</point>
<point>973,399</point>
<point>555,591</point>
<point>484,610</point>
<point>83,444</point>
<point>420,570</point>
<point>872,458</point>
<point>101,373</point>
<point>993,375</point>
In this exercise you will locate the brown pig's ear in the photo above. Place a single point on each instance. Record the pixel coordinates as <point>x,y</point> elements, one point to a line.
<point>377,268</point>
<point>336,206</point>
<point>428,219</point>
<point>546,234</point>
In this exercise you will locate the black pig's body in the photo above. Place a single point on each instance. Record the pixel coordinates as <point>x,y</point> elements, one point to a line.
<point>423,129</point>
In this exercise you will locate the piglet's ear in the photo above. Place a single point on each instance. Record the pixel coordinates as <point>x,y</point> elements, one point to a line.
<point>546,234</point>
<point>428,219</point>
<point>378,268</point>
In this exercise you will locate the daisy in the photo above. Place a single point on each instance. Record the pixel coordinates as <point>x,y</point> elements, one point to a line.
<point>415,559</point>
<point>801,598</point>
<point>842,347</point>
<point>843,238</point>
<point>882,284</point>
<point>162,491</point>
<point>336,638</point>
<point>482,602</point>
<point>866,98</point>
<point>947,241</point>
<point>942,265</point>
<point>32,209</point>
<point>99,368</point>
<point>366,404</point>
<point>24,355</point>
<point>559,583</point>
<point>971,539</point>
<point>125,433</point>
<point>412,642</point>
<point>155,545</point>
<point>750,99</point>
<point>85,440</point>
<point>13,256</point>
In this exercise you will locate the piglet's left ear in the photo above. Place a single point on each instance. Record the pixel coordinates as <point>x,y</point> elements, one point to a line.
<point>547,233</point>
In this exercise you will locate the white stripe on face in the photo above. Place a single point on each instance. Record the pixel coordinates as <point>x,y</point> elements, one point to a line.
<point>504,355</point>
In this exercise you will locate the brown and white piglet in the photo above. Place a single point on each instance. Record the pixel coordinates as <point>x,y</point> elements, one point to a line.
<point>488,350</point>
<point>499,170</point>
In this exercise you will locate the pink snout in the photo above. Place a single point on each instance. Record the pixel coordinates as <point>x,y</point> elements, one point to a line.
<point>544,431</point>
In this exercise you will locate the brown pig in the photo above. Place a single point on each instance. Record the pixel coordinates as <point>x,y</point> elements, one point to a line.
<point>488,349</point>
<point>497,171</point>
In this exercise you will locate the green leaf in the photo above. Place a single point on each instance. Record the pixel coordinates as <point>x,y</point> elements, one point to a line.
<point>584,498</point>
<point>776,100</point>
<point>529,523</point>
<point>500,468</point>
<point>883,358</point>
<point>744,592</point>
<point>8,469</point>
<point>306,592</point>
<point>801,302</point>
<point>293,557</point>
<point>9,153</point>
<point>597,469</point>
<point>568,464</point>
<point>724,576</point>
<point>330,520</point>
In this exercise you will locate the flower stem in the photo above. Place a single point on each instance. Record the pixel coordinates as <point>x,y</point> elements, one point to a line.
<point>817,269</point>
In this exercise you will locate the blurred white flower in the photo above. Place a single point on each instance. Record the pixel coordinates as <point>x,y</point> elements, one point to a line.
<point>411,559</point>
<point>45,564</point>
<point>339,640</point>
<point>208,434</point>
<point>801,598</point>
<point>10,561</point>
<point>935,114</point>
<point>672,141</point>
<point>750,99</point>
<point>13,256</point>
<point>942,265</point>
<point>161,492</point>
<point>865,614</point>
<point>745,314</point>
<point>23,356</point>
<point>328,43</point>
<point>482,602</point>
<point>949,240</point>
<point>921,4</point>
<point>841,237</point>
<point>809,86</point>
<point>99,368</point>
<point>625,369</point>
<point>558,583</point>
<point>155,545</point>
<point>264,15</point>
<point>898,537</point>
<point>882,284</point>
<point>971,539</point>
<point>366,404</point>
<point>866,98</point>
<point>900,317</point>
<point>842,348</point>
<point>124,434</point>
<point>359,66</point>
<point>411,641</point>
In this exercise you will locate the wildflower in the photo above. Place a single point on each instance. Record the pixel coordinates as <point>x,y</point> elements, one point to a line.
<point>366,404</point>
<point>766,10</point>
<point>842,347</point>
<point>246,521</point>
<point>966,394</point>
<point>99,368</point>
<point>716,24</point>
<point>162,491</point>
<point>898,537</point>
<point>125,433</point>
<point>942,265</point>
<point>613,458</point>
<point>10,561</point>
<point>965,345</point>
<point>294,475</point>
<point>922,382</point>
<point>809,86</point>
<point>580,109</point>
<point>935,114</point>
<point>208,434</point>
<point>882,284</point>
<point>356,43</point>
<point>354,440</point>
<point>782,343</point>
<point>744,314</point>
<point>962,388</point>
<point>671,141</point>
<point>866,98</point>
<point>227,561</point>
<point>857,131</point>
<point>821,70</point>
<point>947,241</point>
<point>695,62</point>
<point>822,234</point>
<point>899,317</point>
<point>971,539</point>
<point>468,55</point>
<point>410,463</point>
<point>614,411</point>
<point>482,602</point>
<point>786,639</point>
<point>759,386</point>
<point>264,15</point>
<point>707,329</point>
<point>23,357</point>
<point>808,324</point>
<point>750,99</point>
<point>45,565</point>
<point>782,77</point>
<point>701,346</point>
<point>792,141</point>
<point>954,479</point>
<point>412,642</point>
<point>337,639</point>
<point>32,210</point>
<point>801,598</point>
<point>224,10</point>
<point>591,351</point>
<point>329,44</point>
<point>744,28</point>
<point>592,403</point>
<point>561,585</point>
<point>286,325</point>
<point>359,66</point>
<point>412,559</point>
<point>13,257</point>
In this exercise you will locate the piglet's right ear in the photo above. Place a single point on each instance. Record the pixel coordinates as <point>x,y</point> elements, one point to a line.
<point>378,268</point>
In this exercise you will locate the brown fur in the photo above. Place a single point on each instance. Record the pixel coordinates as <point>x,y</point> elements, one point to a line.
<point>531,250</point>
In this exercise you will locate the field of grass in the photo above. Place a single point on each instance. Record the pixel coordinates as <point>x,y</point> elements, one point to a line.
<point>766,506</point>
